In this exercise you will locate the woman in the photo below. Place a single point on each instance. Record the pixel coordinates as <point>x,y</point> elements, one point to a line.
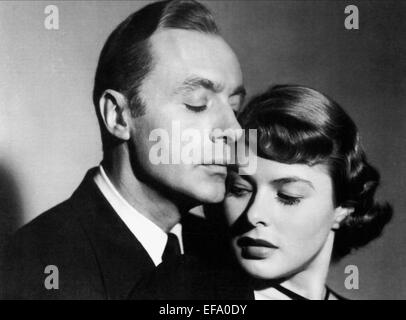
<point>310,200</point>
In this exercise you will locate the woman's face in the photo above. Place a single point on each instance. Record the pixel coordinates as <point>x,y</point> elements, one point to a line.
<point>280,217</point>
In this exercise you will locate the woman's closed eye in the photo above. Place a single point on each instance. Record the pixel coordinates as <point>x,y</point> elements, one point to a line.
<point>238,190</point>
<point>288,200</point>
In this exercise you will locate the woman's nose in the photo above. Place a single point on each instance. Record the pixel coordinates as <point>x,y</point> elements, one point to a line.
<point>259,211</point>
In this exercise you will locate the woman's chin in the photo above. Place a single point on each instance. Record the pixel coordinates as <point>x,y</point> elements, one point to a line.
<point>266,269</point>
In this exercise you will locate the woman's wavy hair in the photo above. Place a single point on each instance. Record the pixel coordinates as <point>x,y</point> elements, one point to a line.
<point>296,124</point>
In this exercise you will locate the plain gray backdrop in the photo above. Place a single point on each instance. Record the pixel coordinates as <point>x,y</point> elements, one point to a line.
<point>49,135</point>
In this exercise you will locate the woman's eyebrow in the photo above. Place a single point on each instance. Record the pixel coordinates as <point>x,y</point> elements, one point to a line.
<point>293,179</point>
<point>245,177</point>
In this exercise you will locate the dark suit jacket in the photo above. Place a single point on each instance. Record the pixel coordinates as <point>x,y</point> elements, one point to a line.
<point>192,278</point>
<point>97,256</point>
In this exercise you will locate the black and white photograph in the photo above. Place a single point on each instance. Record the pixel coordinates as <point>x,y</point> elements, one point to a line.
<point>187,150</point>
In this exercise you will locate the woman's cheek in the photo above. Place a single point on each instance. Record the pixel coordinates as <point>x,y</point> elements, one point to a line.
<point>233,208</point>
<point>311,227</point>
<point>301,223</point>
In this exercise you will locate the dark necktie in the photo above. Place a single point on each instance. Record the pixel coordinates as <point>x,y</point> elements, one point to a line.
<point>172,248</point>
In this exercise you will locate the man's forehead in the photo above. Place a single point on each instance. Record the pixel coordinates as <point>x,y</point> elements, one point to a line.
<point>189,59</point>
<point>191,48</point>
<point>175,38</point>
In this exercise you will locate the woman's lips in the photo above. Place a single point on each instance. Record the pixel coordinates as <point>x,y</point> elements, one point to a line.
<point>255,248</point>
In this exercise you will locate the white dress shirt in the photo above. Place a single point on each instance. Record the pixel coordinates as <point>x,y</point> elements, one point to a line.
<point>151,237</point>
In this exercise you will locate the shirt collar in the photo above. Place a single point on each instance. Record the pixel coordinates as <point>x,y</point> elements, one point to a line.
<point>151,237</point>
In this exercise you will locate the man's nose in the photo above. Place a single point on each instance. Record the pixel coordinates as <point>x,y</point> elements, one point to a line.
<point>229,128</point>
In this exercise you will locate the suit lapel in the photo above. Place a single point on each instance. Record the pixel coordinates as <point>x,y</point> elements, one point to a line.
<point>122,259</point>
<point>224,280</point>
<point>123,262</point>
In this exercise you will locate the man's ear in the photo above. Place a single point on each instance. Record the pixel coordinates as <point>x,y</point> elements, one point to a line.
<point>113,109</point>
<point>340,213</point>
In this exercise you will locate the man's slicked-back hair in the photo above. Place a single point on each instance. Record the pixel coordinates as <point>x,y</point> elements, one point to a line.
<point>125,59</point>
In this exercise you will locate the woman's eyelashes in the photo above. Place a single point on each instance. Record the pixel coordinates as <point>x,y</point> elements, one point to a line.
<point>239,190</point>
<point>288,200</point>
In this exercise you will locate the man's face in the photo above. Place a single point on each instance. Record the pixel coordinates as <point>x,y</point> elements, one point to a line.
<point>195,83</point>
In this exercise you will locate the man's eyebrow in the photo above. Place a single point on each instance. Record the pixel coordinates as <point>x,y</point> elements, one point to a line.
<point>292,180</point>
<point>240,90</point>
<point>194,83</point>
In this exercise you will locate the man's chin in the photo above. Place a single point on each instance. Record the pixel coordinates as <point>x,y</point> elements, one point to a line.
<point>210,193</point>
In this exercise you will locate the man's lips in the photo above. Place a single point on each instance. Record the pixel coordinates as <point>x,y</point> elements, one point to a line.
<point>221,164</point>
<point>217,162</point>
<point>252,242</point>
<point>216,168</point>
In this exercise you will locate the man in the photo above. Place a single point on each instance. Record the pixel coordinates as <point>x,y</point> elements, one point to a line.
<point>164,64</point>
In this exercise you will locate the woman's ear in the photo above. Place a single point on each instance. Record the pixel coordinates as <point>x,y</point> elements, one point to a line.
<point>113,109</point>
<point>340,213</point>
